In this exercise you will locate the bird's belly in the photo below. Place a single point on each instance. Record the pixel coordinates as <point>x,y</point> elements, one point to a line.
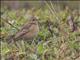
<point>33,33</point>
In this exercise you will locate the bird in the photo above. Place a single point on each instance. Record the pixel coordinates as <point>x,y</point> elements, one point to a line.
<point>28,31</point>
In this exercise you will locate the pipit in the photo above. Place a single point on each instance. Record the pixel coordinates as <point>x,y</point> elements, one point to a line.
<point>28,31</point>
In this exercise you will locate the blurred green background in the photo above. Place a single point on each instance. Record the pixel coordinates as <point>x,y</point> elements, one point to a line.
<point>58,44</point>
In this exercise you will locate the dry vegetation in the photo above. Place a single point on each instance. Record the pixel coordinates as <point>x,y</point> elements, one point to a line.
<point>55,40</point>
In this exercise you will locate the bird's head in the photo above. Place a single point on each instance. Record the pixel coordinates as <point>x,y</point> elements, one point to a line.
<point>34,20</point>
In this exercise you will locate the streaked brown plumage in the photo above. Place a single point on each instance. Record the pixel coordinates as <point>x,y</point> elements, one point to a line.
<point>28,30</point>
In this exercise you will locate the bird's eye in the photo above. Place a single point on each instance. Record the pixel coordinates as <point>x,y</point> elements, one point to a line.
<point>33,19</point>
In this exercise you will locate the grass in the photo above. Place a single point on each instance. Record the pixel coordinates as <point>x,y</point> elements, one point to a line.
<point>60,45</point>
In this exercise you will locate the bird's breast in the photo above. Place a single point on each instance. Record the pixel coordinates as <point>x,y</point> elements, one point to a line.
<point>33,31</point>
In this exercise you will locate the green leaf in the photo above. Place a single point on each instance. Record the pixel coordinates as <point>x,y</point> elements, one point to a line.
<point>40,48</point>
<point>4,49</point>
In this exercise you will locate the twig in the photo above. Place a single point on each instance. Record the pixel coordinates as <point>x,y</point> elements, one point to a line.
<point>9,23</point>
<point>52,10</point>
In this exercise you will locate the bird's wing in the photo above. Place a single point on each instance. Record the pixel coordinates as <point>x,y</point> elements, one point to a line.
<point>25,29</point>
<point>21,33</point>
<point>26,26</point>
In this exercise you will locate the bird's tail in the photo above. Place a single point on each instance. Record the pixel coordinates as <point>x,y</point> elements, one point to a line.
<point>10,39</point>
